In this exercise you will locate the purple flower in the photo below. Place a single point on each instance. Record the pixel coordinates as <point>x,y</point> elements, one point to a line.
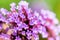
<point>27,23</point>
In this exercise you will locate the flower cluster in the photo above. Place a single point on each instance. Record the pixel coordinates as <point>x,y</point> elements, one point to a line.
<point>21,23</point>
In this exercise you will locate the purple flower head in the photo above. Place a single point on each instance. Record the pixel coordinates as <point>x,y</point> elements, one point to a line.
<point>27,24</point>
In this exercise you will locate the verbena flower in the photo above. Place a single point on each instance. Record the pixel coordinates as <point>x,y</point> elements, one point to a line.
<point>25,24</point>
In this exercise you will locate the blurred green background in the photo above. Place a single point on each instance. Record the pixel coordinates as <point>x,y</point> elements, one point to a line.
<point>53,5</point>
